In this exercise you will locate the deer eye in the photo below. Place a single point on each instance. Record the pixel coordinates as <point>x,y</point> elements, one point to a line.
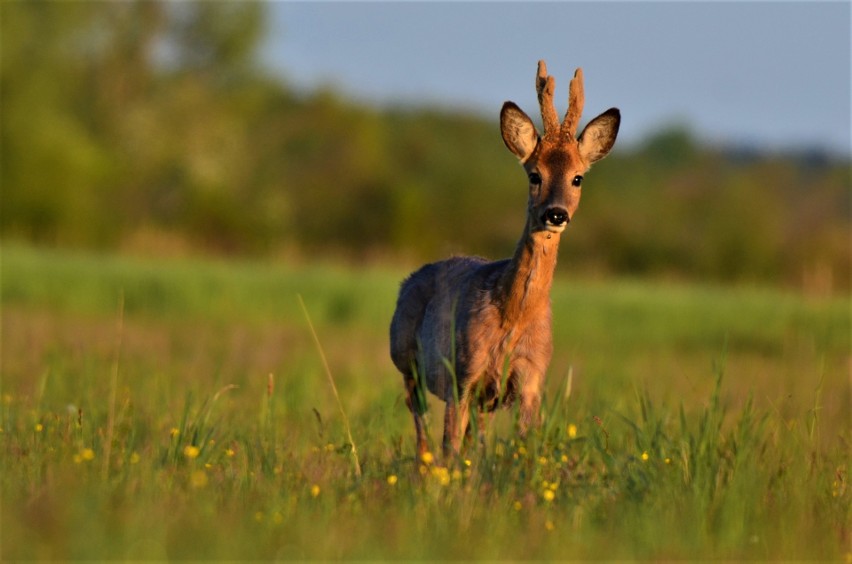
<point>577,180</point>
<point>535,178</point>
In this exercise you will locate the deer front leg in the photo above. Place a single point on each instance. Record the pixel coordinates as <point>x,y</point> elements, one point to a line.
<point>530,403</point>
<point>456,419</point>
<point>483,421</point>
<point>530,416</point>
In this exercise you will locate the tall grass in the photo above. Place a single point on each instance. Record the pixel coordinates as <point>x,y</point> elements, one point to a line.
<point>680,422</point>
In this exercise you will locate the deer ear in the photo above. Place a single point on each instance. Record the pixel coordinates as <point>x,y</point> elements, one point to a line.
<point>518,131</point>
<point>599,136</point>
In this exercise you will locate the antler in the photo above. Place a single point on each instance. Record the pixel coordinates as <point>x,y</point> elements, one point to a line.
<point>545,85</point>
<point>576,99</point>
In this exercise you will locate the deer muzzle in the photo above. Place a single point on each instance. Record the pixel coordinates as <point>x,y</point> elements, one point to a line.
<point>555,218</point>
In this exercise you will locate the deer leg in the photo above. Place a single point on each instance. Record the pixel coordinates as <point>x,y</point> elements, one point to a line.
<point>530,405</point>
<point>483,420</point>
<point>463,426</point>
<point>468,432</point>
<point>529,415</point>
<point>456,422</point>
<point>415,403</point>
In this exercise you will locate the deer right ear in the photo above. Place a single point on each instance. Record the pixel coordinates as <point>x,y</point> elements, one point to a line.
<point>518,131</point>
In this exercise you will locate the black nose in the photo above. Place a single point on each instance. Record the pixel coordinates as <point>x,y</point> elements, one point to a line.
<point>556,216</point>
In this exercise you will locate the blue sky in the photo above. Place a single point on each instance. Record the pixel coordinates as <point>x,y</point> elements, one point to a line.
<point>771,74</point>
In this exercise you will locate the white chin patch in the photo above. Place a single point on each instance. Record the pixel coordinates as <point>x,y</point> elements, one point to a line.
<point>555,228</point>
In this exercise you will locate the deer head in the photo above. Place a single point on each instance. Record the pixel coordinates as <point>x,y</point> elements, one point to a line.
<point>556,161</point>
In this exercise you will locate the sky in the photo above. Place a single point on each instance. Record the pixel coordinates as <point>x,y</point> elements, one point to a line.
<point>770,75</point>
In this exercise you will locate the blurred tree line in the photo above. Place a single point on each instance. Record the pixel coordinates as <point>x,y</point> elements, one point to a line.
<point>151,126</point>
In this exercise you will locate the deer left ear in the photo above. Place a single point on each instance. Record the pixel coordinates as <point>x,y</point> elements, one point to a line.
<point>599,136</point>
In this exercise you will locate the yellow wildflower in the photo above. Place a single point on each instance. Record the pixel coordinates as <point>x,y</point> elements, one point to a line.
<point>134,458</point>
<point>229,452</point>
<point>39,428</point>
<point>442,475</point>
<point>392,479</point>
<point>427,458</point>
<point>315,490</point>
<point>517,506</point>
<point>548,495</point>
<point>549,525</point>
<point>572,431</point>
<point>174,432</point>
<point>191,451</point>
<point>645,456</point>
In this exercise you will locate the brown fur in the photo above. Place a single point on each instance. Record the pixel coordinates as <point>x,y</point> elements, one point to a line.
<point>476,333</point>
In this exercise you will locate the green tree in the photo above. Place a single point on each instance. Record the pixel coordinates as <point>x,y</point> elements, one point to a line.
<point>117,114</point>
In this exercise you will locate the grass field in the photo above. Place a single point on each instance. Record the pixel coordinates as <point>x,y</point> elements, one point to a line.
<point>157,409</point>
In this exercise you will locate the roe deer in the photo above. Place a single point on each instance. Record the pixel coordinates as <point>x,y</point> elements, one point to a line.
<point>478,332</point>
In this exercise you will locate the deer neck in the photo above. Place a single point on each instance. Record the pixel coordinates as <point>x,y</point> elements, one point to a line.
<point>525,285</point>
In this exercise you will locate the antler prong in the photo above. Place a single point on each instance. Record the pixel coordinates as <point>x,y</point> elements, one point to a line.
<point>576,100</point>
<point>545,86</point>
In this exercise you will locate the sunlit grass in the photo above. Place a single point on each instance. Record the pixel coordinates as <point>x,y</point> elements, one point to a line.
<point>681,422</point>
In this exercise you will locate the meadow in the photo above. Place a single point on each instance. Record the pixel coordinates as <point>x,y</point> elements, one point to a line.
<point>158,408</point>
